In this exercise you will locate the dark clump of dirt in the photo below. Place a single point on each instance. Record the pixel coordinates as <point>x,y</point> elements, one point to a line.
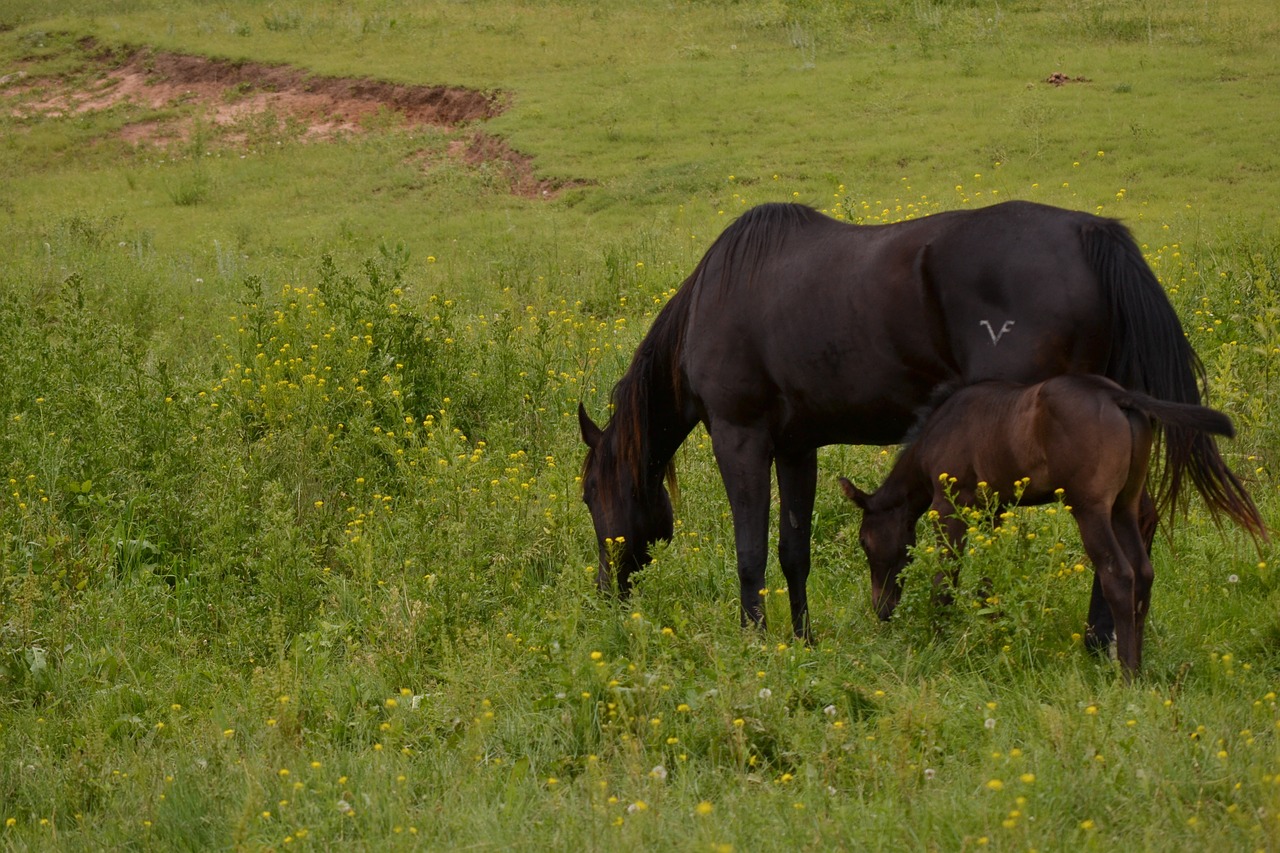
<point>1057,78</point>
<point>230,95</point>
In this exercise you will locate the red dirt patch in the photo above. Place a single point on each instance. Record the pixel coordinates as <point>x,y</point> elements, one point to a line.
<point>230,91</point>
<point>478,149</point>
<point>235,96</point>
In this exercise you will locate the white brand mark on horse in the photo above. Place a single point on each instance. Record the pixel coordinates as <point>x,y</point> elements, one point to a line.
<point>996,336</point>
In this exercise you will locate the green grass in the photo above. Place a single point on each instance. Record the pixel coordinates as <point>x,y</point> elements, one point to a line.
<point>291,550</point>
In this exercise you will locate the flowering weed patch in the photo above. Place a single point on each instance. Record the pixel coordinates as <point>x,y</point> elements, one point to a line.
<point>344,554</point>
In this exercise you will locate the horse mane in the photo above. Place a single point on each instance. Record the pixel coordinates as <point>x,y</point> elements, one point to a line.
<point>939,395</point>
<point>753,236</point>
<point>655,365</point>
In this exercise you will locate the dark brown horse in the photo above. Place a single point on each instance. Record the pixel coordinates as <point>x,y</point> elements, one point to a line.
<point>1079,436</point>
<point>796,331</point>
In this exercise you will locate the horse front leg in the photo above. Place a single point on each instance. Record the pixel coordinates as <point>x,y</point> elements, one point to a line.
<point>743,456</point>
<point>797,483</point>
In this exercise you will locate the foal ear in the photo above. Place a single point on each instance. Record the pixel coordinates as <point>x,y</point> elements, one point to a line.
<point>854,494</point>
<point>591,433</point>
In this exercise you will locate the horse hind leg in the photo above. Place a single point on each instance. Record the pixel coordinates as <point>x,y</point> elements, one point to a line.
<point>743,456</point>
<point>797,483</point>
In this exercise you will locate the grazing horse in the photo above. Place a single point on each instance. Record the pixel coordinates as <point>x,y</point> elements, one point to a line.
<point>796,331</point>
<point>1079,436</point>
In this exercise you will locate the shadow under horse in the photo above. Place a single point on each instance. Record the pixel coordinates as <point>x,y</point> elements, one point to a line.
<point>1081,437</point>
<point>796,331</point>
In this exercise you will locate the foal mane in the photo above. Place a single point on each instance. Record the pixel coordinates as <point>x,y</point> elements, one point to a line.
<point>997,406</point>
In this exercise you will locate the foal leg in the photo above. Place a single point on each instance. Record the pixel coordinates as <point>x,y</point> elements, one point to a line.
<point>954,531</point>
<point>1101,629</point>
<point>797,482</point>
<point>1116,578</point>
<point>1129,532</point>
<point>743,456</point>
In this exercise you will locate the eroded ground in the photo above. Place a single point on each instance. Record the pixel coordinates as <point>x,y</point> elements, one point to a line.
<point>182,92</point>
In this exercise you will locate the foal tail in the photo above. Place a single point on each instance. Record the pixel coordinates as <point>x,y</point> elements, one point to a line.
<point>1151,354</point>
<point>1186,416</point>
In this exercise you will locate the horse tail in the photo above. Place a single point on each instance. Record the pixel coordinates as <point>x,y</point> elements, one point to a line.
<point>1150,353</point>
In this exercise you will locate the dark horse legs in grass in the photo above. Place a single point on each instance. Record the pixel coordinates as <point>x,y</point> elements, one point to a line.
<point>797,331</point>
<point>1080,436</point>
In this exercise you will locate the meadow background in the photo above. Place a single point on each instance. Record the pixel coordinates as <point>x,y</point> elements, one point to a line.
<point>291,546</point>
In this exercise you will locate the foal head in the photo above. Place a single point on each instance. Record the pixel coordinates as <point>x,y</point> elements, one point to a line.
<point>888,530</point>
<point>630,511</point>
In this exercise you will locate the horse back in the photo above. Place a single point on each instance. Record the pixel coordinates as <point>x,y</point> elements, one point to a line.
<point>827,338</point>
<point>1017,295</point>
<point>823,332</point>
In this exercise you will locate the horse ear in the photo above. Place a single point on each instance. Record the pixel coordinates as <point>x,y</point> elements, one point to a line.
<point>591,433</point>
<point>854,494</point>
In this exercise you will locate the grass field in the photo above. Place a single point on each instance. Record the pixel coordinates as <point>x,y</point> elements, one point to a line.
<point>291,547</point>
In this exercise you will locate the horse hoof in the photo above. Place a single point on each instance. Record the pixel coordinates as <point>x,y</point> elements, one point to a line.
<point>1099,643</point>
<point>806,638</point>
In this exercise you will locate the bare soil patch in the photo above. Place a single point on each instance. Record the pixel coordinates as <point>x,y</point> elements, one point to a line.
<point>233,97</point>
<point>515,170</point>
<point>229,91</point>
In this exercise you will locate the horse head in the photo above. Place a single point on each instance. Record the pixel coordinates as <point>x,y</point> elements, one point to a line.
<point>888,530</point>
<point>630,511</point>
